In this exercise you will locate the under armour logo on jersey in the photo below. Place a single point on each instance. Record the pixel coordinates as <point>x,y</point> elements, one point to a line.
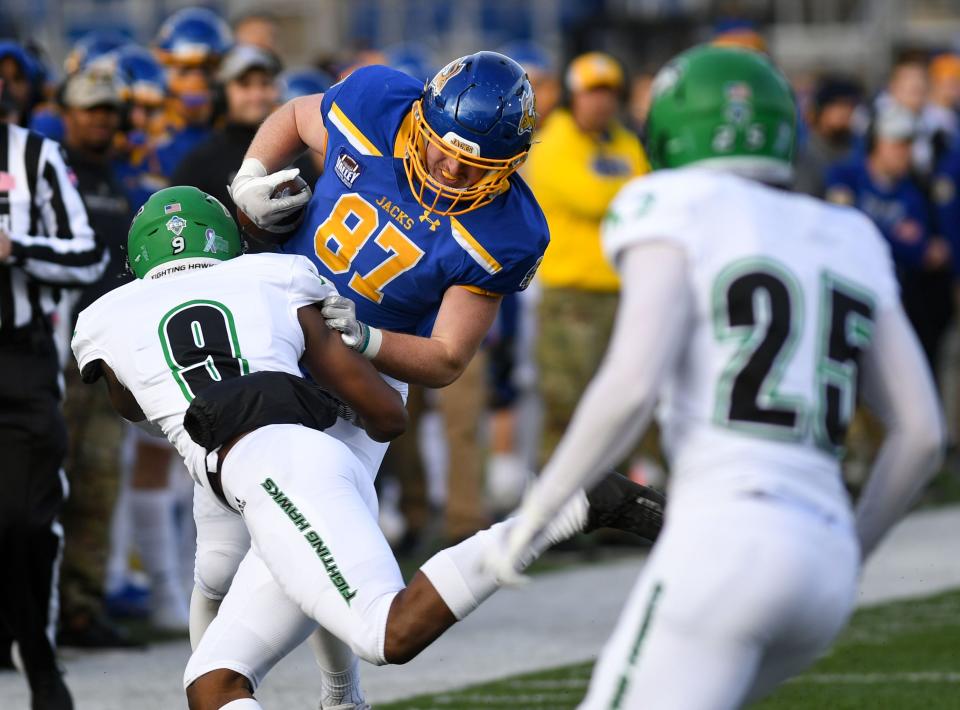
<point>434,223</point>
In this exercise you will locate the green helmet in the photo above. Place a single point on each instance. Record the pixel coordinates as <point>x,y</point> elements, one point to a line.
<point>180,223</point>
<point>723,107</point>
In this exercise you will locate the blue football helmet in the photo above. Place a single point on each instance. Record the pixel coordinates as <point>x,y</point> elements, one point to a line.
<point>30,69</point>
<point>144,78</point>
<point>303,82</point>
<point>29,65</point>
<point>92,46</point>
<point>193,36</point>
<point>479,110</point>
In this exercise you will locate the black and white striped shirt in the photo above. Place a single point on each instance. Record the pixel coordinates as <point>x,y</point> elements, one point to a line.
<point>53,245</point>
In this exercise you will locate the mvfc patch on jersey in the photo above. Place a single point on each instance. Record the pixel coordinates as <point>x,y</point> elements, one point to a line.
<point>347,168</point>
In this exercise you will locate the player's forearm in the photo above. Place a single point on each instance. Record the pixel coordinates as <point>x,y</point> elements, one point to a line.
<point>277,142</point>
<point>429,362</point>
<point>900,390</point>
<point>902,470</point>
<point>462,323</point>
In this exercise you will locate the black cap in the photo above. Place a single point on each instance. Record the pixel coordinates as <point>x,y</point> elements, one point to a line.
<point>835,88</point>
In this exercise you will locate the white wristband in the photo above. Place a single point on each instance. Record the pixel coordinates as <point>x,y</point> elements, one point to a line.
<point>371,343</point>
<point>252,167</point>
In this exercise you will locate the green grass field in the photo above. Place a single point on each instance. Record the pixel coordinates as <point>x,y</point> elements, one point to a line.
<point>898,656</point>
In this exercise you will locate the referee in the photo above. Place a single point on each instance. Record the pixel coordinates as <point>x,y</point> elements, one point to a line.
<point>46,244</point>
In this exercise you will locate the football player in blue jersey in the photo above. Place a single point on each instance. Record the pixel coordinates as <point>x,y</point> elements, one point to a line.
<point>418,217</point>
<point>421,223</point>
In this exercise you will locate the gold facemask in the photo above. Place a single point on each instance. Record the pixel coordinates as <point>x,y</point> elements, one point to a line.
<point>429,191</point>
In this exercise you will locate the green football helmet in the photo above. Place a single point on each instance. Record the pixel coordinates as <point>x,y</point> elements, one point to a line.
<point>181,223</point>
<point>726,108</point>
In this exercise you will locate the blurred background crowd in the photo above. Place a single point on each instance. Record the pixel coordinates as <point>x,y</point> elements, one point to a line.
<point>147,94</point>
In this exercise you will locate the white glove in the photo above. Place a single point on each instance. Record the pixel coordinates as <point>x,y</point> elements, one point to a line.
<point>508,561</point>
<point>340,314</point>
<point>251,190</point>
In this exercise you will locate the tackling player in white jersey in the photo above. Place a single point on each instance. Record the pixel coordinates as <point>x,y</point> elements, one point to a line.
<point>754,315</point>
<point>196,319</point>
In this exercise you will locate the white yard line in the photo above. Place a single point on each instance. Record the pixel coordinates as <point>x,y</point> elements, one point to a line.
<point>874,678</point>
<point>560,618</point>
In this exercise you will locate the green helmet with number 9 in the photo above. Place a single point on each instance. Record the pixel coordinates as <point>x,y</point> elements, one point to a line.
<point>181,224</point>
<point>725,108</point>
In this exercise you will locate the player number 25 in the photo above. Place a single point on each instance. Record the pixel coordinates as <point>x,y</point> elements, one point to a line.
<point>342,235</point>
<point>759,305</point>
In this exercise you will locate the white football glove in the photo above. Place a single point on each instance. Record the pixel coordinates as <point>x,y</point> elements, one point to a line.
<point>251,190</point>
<point>340,314</point>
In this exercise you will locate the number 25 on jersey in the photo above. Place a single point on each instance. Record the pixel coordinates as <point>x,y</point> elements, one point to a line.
<point>759,304</point>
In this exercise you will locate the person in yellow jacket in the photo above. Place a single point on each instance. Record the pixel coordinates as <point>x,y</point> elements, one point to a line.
<point>583,156</point>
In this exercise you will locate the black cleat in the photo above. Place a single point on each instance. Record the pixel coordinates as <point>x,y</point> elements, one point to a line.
<point>48,691</point>
<point>619,503</point>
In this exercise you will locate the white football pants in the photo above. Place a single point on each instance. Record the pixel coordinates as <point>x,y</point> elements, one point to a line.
<point>222,538</point>
<point>317,554</point>
<point>737,595</point>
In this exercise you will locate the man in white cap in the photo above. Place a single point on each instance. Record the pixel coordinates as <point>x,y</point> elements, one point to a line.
<point>881,185</point>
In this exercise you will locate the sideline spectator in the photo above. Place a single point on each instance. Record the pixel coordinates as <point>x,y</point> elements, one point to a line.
<point>909,88</point>
<point>581,160</point>
<point>190,43</point>
<point>257,27</point>
<point>831,137</point>
<point>941,113</point>
<point>19,76</point>
<point>91,114</point>
<point>135,160</point>
<point>249,78</point>
<point>881,186</point>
